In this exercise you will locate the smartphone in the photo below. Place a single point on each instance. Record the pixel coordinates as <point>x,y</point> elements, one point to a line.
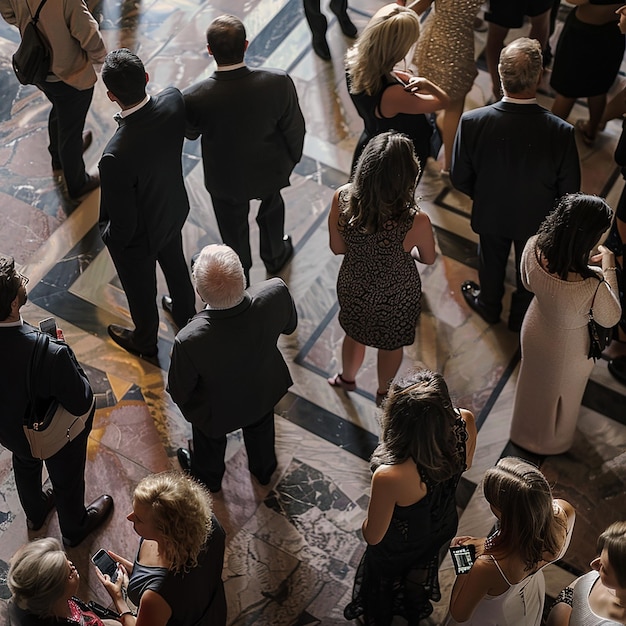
<point>102,560</point>
<point>463,558</point>
<point>49,326</point>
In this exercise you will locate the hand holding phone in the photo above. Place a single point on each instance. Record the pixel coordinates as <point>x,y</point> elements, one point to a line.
<point>463,558</point>
<point>103,561</point>
<point>49,326</point>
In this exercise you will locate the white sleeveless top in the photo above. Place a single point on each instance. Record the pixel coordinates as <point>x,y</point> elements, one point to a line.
<point>582,615</point>
<point>520,605</point>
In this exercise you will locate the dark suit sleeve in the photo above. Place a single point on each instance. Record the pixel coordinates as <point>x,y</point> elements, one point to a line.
<point>182,379</point>
<point>289,305</point>
<point>192,127</point>
<point>68,383</point>
<point>568,178</point>
<point>118,202</point>
<point>291,124</point>
<point>462,172</point>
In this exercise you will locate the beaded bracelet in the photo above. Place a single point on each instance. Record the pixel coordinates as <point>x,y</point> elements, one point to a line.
<point>606,269</point>
<point>127,613</point>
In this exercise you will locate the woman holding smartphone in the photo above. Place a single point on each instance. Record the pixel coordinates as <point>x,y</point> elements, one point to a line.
<point>176,576</point>
<point>426,445</point>
<point>505,586</point>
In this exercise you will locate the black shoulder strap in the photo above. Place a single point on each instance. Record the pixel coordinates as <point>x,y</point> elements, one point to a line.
<point>35,18</point>
<point>41,346</point>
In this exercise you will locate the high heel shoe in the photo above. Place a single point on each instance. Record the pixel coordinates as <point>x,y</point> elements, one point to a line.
<point>339,381</point>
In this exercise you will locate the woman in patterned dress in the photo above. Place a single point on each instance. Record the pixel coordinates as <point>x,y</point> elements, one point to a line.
<point>375,223</point>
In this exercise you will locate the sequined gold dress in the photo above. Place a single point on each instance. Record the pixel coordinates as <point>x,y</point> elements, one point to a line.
<point>445,50</point>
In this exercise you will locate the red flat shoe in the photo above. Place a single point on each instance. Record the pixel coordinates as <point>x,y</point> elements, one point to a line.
<point>338,381</point>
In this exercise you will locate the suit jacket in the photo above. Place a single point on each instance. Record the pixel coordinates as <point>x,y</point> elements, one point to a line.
<point>514,161</point>
<point>72,33</point>
<point>61,378</point>
<point>143,200</point>
<point>252,131</point>
<point>226,370</point>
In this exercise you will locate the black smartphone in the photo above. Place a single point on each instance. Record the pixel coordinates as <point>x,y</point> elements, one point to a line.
<point>103,561</point>
<point>463,558</point>
<point>49,326</point>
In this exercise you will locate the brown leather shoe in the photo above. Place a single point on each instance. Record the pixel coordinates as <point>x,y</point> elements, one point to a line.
<point>97,513</point>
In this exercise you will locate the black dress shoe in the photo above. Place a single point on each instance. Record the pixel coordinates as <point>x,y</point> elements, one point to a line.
<point>265,478</point>
<point>617,367</point>
<point>48,497</point>
<point>280,263</point>
<point>471,294</point>
<point>97,512</point>
<point>92,182</point>
<point>184,459</point>
<point>320,47</point>
<point>347,27</point>
<point>87,139</point>
<point>124,338</point>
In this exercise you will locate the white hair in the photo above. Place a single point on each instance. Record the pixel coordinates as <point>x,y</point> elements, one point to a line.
<point>219,277</point>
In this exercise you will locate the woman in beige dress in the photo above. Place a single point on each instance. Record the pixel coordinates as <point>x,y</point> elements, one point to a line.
<point>555,339</point>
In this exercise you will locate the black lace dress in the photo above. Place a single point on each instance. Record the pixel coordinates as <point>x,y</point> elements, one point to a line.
<point>399,575</point>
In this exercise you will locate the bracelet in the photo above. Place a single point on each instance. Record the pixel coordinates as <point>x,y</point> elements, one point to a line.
<point>129,612</point>
<point>606,269</point>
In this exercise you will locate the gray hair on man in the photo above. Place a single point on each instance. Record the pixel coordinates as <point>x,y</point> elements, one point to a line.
<point>520,67</point>
<point>219,276</point>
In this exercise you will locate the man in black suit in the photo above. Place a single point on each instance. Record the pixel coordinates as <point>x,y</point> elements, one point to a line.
<point>61,378</point>
<point>144,203</point>
<point>227,371</point>
<point>252,137</point>
<point>514,159</point>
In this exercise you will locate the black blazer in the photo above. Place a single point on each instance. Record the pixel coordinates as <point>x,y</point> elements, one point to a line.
<point>252,131</point>
<point>514,161</point>
<point>226,370</point>
<point>62,378</point>
<point>143,201</point>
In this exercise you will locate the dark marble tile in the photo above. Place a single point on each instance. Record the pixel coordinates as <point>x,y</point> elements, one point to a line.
<point>606,401</point>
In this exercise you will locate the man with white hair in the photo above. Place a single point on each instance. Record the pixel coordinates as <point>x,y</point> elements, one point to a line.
<point>227,371</point>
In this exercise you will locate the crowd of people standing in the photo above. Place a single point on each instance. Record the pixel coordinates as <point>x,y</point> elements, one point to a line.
<point>513,149</point>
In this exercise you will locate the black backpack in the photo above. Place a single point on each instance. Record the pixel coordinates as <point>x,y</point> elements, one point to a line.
<point>31,61</point>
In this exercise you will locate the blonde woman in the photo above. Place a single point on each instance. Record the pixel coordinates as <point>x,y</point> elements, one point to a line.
<point>505,586</point>
<point>176,575</point>
<point>386,98</point>
<point>43,582</point>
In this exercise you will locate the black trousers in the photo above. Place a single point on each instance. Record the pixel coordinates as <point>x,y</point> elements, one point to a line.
<point>65,129</point>
<point>137,272</point>
<point>492,260</point>
<point>67,475</point>
<point>208,452</point>
<point>315,17</point>
<point>232,220</point>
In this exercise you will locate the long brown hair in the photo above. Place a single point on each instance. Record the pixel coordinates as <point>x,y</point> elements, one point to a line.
<point>522,495</point>
<point>384,183</point>
<point>417,423</point>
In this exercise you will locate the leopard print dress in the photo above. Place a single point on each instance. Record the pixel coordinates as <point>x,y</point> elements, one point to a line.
<point>378,287</point>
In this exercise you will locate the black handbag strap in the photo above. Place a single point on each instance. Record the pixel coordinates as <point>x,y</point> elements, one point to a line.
<point>41,346</point>
<point>35,18</point>
<point>601,280</point>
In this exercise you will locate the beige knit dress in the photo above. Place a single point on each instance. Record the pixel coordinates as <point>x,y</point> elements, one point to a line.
<point>555,343</point>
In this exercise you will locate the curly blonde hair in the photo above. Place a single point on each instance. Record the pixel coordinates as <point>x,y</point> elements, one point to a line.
<point>385,41</point>
<point>181,511</point>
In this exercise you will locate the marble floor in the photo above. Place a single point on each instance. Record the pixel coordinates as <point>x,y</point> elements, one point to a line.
<point>292,547</point>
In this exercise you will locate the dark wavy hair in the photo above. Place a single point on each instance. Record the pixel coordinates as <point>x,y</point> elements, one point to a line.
<point>613,540</point>
<point>417,423</point>
<point>571,231</point>
<point>522,495</point>
<point>384,183</point>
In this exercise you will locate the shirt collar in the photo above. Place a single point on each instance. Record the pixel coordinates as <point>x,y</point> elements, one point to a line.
<point>127,112</point>
<point>519,100</point>
<point>230,68</point>
<point>19,322</point>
